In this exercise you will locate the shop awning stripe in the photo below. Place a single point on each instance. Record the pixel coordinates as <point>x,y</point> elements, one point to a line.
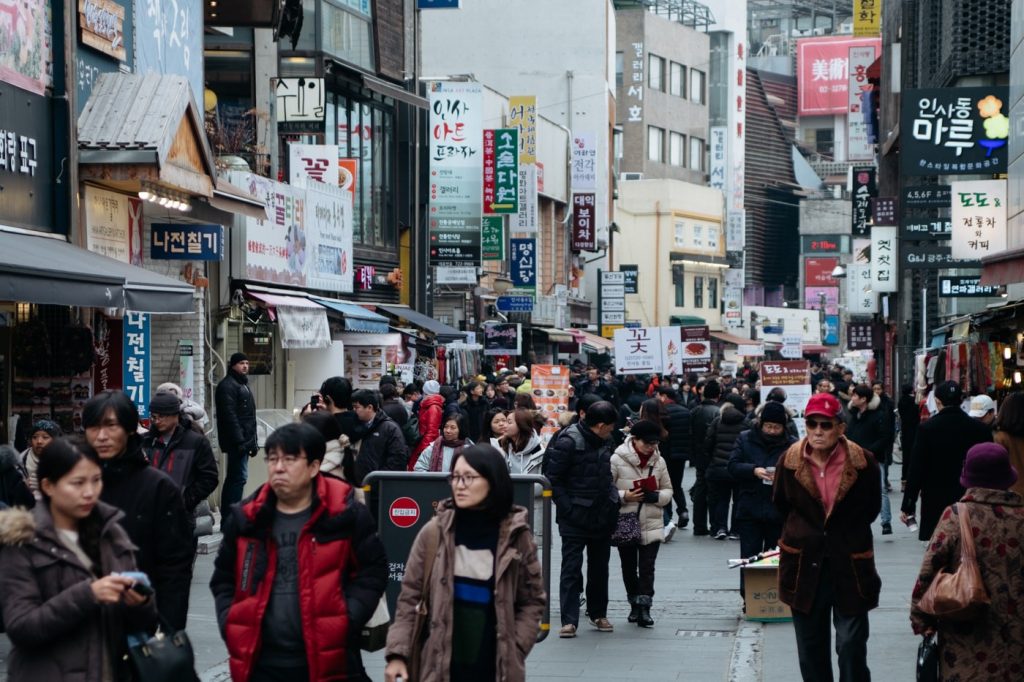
<point>355,317</point>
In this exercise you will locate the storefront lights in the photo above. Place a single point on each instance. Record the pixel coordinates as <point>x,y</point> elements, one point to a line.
<point>1007,352</point>
<point>168,198</point>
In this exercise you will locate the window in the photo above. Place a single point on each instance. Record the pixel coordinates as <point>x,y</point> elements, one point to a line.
<point>677,149</point>
<point>698,292</point>
<point>679,280</point>
<point>656,144</point>
<point>824,141</point>
<point>697,86</point>
<point>620,68</point>
<point>698,236</point>
<point>680,237</point>
<point>696,153</point>
<point>712,292</point>
<point>677,80</point>
<point>655,72</point>
<point>347,35</point>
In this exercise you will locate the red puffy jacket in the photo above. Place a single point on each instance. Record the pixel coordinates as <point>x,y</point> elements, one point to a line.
<point>342,572</point>
<point>431,411</point>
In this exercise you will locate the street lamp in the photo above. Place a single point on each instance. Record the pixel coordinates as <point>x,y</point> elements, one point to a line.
<point>838,272</point>
<point>501,285</point>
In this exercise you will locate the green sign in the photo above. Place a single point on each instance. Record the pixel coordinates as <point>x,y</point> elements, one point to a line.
<point>492,238</point>
<point>501,171</point>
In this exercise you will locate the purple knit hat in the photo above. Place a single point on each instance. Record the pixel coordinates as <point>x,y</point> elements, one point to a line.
<point>988,466</point>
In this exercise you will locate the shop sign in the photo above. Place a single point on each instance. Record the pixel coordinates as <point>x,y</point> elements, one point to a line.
<point>584,233</point>
<point>717,169</point>
<point>179,241</point>
<point>136,351</point>
<point>867,18</point>
<point>631,276</point>
<point>515,304</point>
<point>522,115</point>
<point>932,257</point>
<point>169,40</point>
<point>300,106</point>
<point>859,145</point>
<point>949,131</point>
<point>329,223</point>
<point>884,211</point>
<point>934,196</point>
<point>113,223</point>
<point>492,238</point>
<point>884,268</point>
<point>452,274</point>
<point>100,24</point>
<point>967,287</point>
<point>638,350</point>
<point>864,191</point>
<point>584,161</point>
<point>501,171</point>
<point>925,228</point>
<point>523,265</point>
<point>364,277</point>
<point>823,73</point>
<point>636,82</point>
<point>26,169</point>
<point>979,218</point>
<point>861,336</point>
<point>825,243</point>
<point>860,297</point>
<point>317,162</point>
<point>818,271</point>
<point>502,339</point>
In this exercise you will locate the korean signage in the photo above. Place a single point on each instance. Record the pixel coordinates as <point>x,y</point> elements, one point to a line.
<point>136,357</point>
<point>818,271</point>
<point>523,262</point>
<point>26,167</point>
<point>823,74</point>
<point>867,18</point>
<point>824,243</point>
<point>718,168</point>
<point>299,103</point>
<point>584,161</point>
<point>735,229</point>
<point>967,287</point>
<point>884,268</point>
<point>584,235</point>
<point>695,348</point>
<point>933,257</point>
<point>329,224</point>
<point>492,238</point>
<point>635,80</point>
<point>979,218</point>
<point>864,191</point>
<point>792,375</point>
<point>925,228</point>
<point>792,346</point>
<point>437,4</point>
<point>317,162</point>
<point>638,350</point>
<point>550,394</point>
<point>611,303</point>
<point>860,297</point>
<point>931,196</point>
<point>181,241</point>
<point>947,131</point>
<point>169,40</point>
<point>501,339</point>
<point>884,211</point>
<point>113,224</point>
<point>456,173</point>
<point>631,276</point>
<point>501,171</point>
<point>101,25</point>
<point>859,146</point>
<point>861,336</point>
<point>514,304</point>
<point>522,115</point>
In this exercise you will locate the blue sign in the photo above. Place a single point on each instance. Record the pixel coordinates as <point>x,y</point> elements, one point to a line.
<point>169,41</point>
<point>515,304</point>
<point>437,4</point>
<point>523,262</point>
<point>633,324</point>
<point>831,330</point>
<point>175,241</point>
<point>136,351</point>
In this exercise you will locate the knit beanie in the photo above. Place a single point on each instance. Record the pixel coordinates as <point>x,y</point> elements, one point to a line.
<point>431,387</point>
<point>47,425</point>
<point>236,358</point>
<point>773,412</point>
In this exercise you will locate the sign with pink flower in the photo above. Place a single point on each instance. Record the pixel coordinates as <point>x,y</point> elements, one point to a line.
<point>955,131</point>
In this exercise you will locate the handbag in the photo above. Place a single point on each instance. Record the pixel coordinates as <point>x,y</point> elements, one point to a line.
<point>419,628</point>
<point>627,528</point>
<point>163,657</point>
<point>928,659</point>
<point>374,634</point>
<point>958,596</point>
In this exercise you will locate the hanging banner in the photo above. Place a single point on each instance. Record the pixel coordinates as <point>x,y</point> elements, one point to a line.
<point>884,269</point>
<point>501,171</point>
<point>522,115</point>
<point>638,350</point>
<point>717,170</point>
<point>584,236</point>
<point>858,145</point>
<point>329,226</point>
<point>523,262</point>
<point>136,352</point>
<point>864,192</point>
<point>492,238</point>
<point>551,394</point>
<point>860,297</point>
<point>584,161</point>
<point>314,161</point>
<point>502,339</point>
<point>979,218</point>
<point>823,73</point>
<point>303,327</point>
<point>867,18</point>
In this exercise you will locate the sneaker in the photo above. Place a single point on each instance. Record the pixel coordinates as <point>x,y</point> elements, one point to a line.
<point>669,531</point>
<point>886,529</point>
<point>568,631</point>
<point>733,536</point>
<point>721,535</point>
<point>602,624</point>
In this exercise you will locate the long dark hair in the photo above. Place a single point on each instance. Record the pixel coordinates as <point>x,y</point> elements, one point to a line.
<point>125,412</point>
<point>652,411</point>
<point>489,463</point>
<point>55,461</point>
<point>526,427</point>
<point>486,433</point>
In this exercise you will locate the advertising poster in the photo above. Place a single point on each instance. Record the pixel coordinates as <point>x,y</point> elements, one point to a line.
<point>696,348</point>
<point>522,115</point>
<point>794,377</point>
<point>858,145</point>
<point>26,50</point>
<point>814,296</point>
<point>502,339</point>
<point>638,350</point>
<point>864,191</point>
<point>818,272</point>
<point>551,394</point>
<point>329,220</point>
<point>671,350</point>
<point>823,73</point>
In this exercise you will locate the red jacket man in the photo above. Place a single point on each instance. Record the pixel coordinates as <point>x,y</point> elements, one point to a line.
<point>431,411</point>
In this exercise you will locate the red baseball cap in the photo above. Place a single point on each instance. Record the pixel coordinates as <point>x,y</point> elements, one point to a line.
<point>824,404</point>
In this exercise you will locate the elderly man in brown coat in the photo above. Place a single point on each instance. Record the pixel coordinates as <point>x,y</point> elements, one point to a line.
<point>826,488</point>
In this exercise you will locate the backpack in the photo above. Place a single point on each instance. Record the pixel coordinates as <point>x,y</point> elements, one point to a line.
<point>411,430</point>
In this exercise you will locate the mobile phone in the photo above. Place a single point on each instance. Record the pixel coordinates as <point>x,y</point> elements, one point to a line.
<point>141,589</point>
<point>314,401</point>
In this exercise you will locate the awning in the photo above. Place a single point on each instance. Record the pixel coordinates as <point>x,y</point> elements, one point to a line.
<point>39,268</point>
<point>355,317</point>
<point>1006,267</point>
<point>303,322</point>
<point>813,348</point>
<point>231,199</point>
<point>726,337</point>
<point>556,335</point>
<point>593,341</point>
<point>276,299</point>
<point>439,329</point>
<point>382,87</point>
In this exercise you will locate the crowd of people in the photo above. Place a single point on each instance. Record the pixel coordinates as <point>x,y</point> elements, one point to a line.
<point>101,536</point>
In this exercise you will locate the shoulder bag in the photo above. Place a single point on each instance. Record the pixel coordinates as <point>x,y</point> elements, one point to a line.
<point>958,596</point>
<point>167,656</point>
<point>419,631</point>
<point>374,634</point>
<point>628,529</point>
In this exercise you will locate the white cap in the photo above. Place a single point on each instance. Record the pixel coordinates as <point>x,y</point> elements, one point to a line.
<point>521,369</point>
<point>981,405</point>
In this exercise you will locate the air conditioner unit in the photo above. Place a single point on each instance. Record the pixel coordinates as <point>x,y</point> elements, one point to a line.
<point>631,176</point>
<point>820,30</point>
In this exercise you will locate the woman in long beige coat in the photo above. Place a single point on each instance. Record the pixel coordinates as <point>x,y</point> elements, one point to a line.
<point>641,475</point>
<point>484,598</point>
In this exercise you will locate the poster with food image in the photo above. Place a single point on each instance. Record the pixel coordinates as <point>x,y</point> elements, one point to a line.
<point>551,394</point>
<point>365,365</point>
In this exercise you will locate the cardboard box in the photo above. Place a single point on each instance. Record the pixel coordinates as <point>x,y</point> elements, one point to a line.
<point>761,585</point>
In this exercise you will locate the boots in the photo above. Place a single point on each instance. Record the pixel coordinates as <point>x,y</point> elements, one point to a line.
<point>634,610</point>
<point>644,620</point>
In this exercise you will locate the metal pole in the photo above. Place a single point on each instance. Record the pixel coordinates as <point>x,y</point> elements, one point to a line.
<point>924,319</point>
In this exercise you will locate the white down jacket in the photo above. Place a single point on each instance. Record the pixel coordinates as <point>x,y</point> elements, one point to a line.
<point>625,465</point>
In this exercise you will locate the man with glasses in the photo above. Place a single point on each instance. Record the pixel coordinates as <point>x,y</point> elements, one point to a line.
<point>300,571</point>
<point>827,491</point>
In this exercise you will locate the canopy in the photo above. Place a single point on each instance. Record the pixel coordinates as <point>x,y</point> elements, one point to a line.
<point>442,331</point>
<point>355,317</point>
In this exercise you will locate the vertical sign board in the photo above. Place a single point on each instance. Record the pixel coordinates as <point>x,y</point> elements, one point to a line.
<point>979,218</point>
<point>823,73</point>
<point>501,171</point>
<point>523,265</point>
<point>867,18</point>
<point>584,234</point>
<point>671,344</point>
<point>135,352</point>
<point>631,275</point>
<point>718,169</point>
<point>299,104</point>
<point>584,161</point>
<point>858,146</point>
<point>611,302</point>
<point>186,369</point>
<point>860,297</point>
<point>638,350</point>
<point>522,115</point>
<point>864,192</point>
<point>456,173</point>
<point>492,238</point>
<point>884,268</point>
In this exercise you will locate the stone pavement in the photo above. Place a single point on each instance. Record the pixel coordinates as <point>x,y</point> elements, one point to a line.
<point>698,635</point>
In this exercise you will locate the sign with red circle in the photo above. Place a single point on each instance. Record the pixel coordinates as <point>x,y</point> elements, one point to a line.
<point>404,512</point>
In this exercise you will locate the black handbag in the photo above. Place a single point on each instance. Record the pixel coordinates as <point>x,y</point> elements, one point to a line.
<point>166,656</point>
<point>928,659</point>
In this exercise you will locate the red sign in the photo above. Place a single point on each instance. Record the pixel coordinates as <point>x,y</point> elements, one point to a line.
<point>584,231</point>
<point>404,512</point>
<point>490,160</point>
<point>540,177</point>
<point>818,272</point>
<point>823,76</point>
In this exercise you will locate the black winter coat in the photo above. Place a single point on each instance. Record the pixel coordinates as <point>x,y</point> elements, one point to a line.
<point>236,414</point>
<point>188,459</point>
<point>871,428</point>
<point>701,418</point>
<point>753,496</point>
<point>579,468</point>
<point>475,409</point>
<point>677,423</point>
<point>14,492</point>
<point>156,521</point>
<point>382,448</point>
<point>939,452</point>
<point>721,440</point>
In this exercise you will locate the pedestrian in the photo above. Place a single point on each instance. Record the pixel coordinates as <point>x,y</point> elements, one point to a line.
<point>14,489</point>
<point>154,512</point>
<point>475,407</point>
<point>236,427</point>
<point>521,444</point>
<point>300,570</point>
<point>752,465</point>
<point>338,458</point>
<point>641,476</point>
<point>719,444</point>
<point>870,427</point>
<point>700,419</point>
<point>910,419</point>
<point>336,396</point>
<point>593,383</point>
<point>392,405</point>
<point>983,409</point>
<point>383,447</point>
<point>44,431</point>
<point>676,452</point>
<point>939,450</point>
<point>495,422</point>
<point>440,454</point>
<point>991,646</point>
<point>66,609</point>
<point>1009,432</point>
<point>189,408</point>
<point>430,414</point>
<point>826,489</point>
<point>474,568</point>
<point>586,510</point>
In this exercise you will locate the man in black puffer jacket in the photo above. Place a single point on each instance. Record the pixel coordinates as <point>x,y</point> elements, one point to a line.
<point>179,451</point>
<point>236,428</point>
<point>720,442</point>
<point>701,417</point>
<point>678,451</point>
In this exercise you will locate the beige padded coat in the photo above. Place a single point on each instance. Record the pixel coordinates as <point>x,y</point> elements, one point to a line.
<point>626,469</point>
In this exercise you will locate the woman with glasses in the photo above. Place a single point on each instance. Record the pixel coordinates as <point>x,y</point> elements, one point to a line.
<point>474,570</point>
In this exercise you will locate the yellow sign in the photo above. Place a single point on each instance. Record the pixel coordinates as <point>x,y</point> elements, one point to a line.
<point>867,18</point>
<point>522,114</point>
<point>608,330</point>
